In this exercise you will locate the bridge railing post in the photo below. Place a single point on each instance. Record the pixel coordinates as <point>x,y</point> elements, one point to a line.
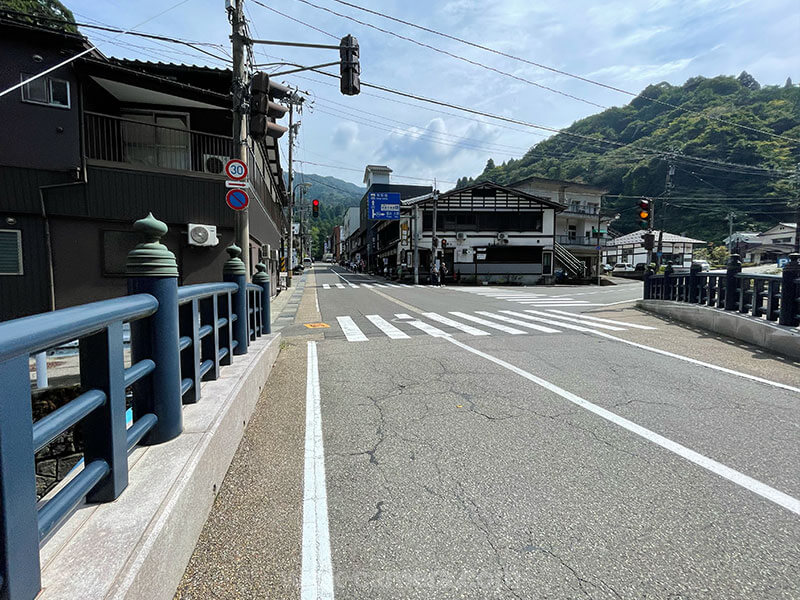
<point>732,282</point>
<point>790,292</point>
<point>694,283</point>
<point>262,278</point>
<point>152,269</point>
<point>668,282</point>
<point>647,292</point>
<point>234,271</point>
<point>19,532</point>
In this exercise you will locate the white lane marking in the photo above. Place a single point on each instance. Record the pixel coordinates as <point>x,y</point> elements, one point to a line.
<point>392,285</point>
<point>455,324</point>
<point>351,330</point>
<point>380,285</point>
<point>757,487</point>
<point>317,568</point>
<point>517,322</point>
<point>599,320</point>
<point>559,318</point>
<point>340,286</point>
<point>367,285</point>
<point>403,316</point>
<point>561,324</point>
<point>429,329</point>
<point>316,303</point>
<point>480,321</point>
<point>326,286</point>
<point>353,285</point>
<point>387,328</point>
<point>340,277</point>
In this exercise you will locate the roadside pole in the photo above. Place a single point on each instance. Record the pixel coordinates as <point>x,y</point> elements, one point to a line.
<point>599,248</point>
<point>415,241</point>
<point>289,264</point>
<point>238,88</point>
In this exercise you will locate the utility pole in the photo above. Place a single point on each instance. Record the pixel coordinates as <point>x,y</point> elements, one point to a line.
<point>239,93</point>
<point>797,209</point>
<point>289,264</point>
<point>667,192</point>
<point>434,241</point>
<point>730,218</point>
<point>415,242</point>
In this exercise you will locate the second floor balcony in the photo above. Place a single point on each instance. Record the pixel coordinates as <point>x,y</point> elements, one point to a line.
<point>580,240</point>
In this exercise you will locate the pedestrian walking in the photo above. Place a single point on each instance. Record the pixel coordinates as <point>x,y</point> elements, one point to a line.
<point>442,274</point>
<point>434,274</point>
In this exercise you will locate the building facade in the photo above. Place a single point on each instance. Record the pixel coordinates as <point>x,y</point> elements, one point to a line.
<point>629,248</point>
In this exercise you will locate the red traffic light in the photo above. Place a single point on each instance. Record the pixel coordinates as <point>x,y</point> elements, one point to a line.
<point>315,203</point>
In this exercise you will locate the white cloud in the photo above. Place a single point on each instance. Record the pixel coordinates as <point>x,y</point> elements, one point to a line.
<point>345,135</point>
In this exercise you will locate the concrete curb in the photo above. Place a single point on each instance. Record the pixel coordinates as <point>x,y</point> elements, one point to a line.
<point>137,547</point>
<point>765,334</point>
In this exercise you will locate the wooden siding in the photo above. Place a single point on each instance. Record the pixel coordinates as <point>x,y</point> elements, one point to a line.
<point>27,294</point>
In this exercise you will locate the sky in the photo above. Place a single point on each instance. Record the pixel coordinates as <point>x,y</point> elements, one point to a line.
<point>627,44</point>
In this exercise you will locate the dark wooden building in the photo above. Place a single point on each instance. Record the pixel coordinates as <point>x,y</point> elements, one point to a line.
<point>99,143</point>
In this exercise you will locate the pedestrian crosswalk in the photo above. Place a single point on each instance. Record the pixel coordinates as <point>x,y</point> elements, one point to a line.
<point>481,323</point>
<point>528,298</point>
<point>348,285</point>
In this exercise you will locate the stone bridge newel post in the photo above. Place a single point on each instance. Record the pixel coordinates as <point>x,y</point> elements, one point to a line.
<point>734,267</point>
<point>693,293</point>
<point>234,271</point>
<point>261,278</point>
<point>152,269</point>
<point>790,292</point>
<point>666,292</point>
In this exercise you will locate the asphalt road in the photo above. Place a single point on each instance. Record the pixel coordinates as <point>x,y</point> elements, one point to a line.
<point>507,442</point>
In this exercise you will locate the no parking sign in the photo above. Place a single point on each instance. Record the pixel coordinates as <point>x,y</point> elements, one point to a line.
<point>237,199</point>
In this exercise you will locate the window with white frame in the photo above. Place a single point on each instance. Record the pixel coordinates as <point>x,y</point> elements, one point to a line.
<point>10,252</point>
<point>45,90</point>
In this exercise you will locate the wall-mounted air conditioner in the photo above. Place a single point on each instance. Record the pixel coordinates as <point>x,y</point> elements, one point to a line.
<point>501,236</point>
<point>461,236</point>
<point>202,235</point>
<point>214,163</point>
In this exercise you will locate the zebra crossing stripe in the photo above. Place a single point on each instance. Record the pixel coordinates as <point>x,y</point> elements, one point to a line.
<point>573,320</point>
<point>403,316</point>
<point>429,329</point>
<point>480,321</point>
<point>340,286</point>
<point>326,286</point>
<point>387,328</point>
<point>548,321</point>
<point>353,285</point>
<point>455,324</point>
<point>517,321</point>
<point>351,330</point>
<point>599,320</point>
<point>366,285</point>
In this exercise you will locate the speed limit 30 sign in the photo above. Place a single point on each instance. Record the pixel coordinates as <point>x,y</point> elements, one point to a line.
<point>236,169</point>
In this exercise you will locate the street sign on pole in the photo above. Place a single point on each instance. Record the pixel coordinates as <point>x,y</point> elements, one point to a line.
<point>236,169</point>
<point>384,205</point>
<point>237,184</point>
<point>237,199</point>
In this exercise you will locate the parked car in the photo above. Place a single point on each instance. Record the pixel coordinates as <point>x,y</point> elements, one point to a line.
<point>607,268</point>
<point>307,263</point>
<point>704,264</point>
<point>623,268</point>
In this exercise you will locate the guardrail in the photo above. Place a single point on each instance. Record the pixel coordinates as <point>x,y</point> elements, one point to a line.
<point>771,297</point>
<point>180,336</point>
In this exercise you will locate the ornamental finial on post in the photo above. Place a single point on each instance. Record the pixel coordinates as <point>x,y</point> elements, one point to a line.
<point>151,258</point>
<point>234,265</point>
<point>261,276</point>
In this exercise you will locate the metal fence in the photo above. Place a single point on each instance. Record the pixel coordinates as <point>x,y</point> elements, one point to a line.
<point>180,336</point>
<point>581,240</point>
<point>771,297</point>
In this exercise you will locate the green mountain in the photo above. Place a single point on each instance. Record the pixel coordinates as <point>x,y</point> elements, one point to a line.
<point>335,197</point>
<point>650,133</point>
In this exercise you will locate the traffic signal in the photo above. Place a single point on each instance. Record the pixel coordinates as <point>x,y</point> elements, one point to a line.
<point>315,208</point>
<point>645,213</point>
<point>349,67</point>
<point>262,109</point>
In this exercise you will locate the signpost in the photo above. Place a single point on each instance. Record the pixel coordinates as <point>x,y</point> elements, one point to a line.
<point>384,205</point>
<point>236,169</point>
<point>237,199</point>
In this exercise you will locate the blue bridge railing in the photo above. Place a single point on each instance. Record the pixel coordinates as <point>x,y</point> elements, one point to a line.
<point>771,297</point>
<point>180,336</point>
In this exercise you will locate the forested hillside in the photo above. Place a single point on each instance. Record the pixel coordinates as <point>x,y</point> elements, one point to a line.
<point>643,137</point>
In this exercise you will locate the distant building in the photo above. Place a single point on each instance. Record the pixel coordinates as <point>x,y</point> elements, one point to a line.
<point>772,244</point>
<point>629,248</point>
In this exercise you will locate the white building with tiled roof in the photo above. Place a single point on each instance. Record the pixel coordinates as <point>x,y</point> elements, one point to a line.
<point>630,248</point>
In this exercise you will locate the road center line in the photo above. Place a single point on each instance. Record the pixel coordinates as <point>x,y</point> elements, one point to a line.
<point>765,491</point>
<point>317,568</point>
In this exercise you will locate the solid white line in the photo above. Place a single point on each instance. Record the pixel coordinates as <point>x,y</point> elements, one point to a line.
<point>403,316</point>
<point>351,330</point>
<point>573,320</point>
<point>599,320</point>
<point>340,286</point>
<point>317,568</point>
<point>740,479</point>
<point>380,285</point>
<point>387,328</point>
<point>353,285</point>
<point>480,321</point>
<point>517,322</point>
<point>429,329</point>
<point>455,324</point>
<point>562,304</point>
<point>367,285</point>
<point>326,286</point>
<point>340,277</point>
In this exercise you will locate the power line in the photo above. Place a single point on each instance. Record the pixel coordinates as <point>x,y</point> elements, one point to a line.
<point>559,71</point>
<point>261,4</point>
<point>91,48</point>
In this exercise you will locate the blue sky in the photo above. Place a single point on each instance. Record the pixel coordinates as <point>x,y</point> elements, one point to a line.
<point>623,43</point>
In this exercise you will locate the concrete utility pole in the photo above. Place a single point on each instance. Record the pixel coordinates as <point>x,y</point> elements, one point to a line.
<point>667,192</point>
<point>730,218</point>
<point>415,242</point>
<point>434,241</point>
<point>239,93</point>
<point>289,264</point>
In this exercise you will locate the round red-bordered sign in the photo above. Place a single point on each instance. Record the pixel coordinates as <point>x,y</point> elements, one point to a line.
<point>236,169</point>
<point>237,199</point>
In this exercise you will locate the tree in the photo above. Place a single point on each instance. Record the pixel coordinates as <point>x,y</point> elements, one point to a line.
<point>788,83</point>
<point>489,165</point>
<point>748,81</point>
<point>45,9</point>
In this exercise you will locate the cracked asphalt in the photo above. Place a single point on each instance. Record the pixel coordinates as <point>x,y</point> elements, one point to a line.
<point>448,476</point>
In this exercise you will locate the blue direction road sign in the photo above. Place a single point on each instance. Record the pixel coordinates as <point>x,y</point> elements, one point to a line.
<point>237,199</point>
<point>782,262</point>
<point>384,205</point>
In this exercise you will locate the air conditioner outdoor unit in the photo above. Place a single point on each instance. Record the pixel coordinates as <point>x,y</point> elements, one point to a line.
<point>202,235</point>
<point>501,236</point>
<point>461,236</point>
<point>275,255</point>
<point>214,163</point>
